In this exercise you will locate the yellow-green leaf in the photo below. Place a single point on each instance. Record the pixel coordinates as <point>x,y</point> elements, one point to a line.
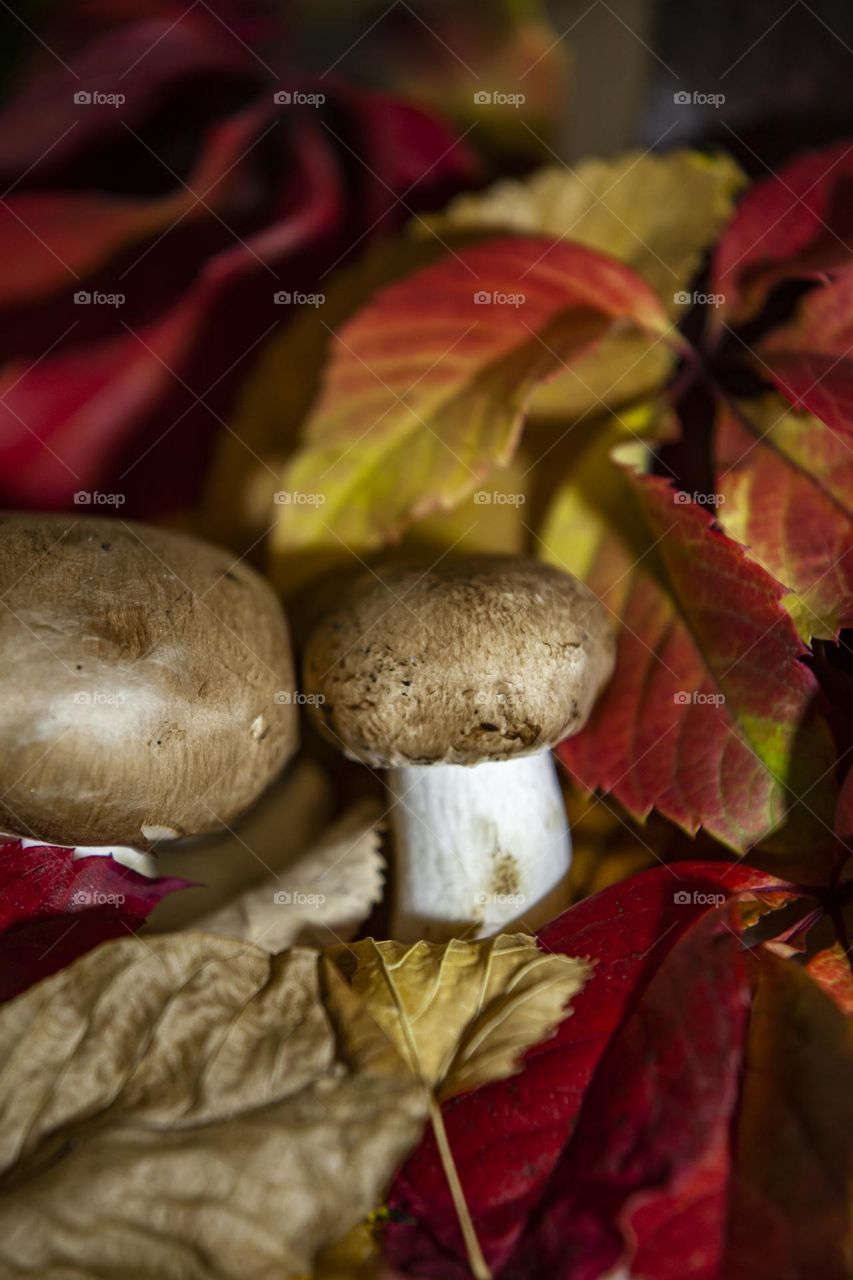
<point>787,495</point>
<point>657,213</point>
<point>277,395</point>
<point>426,389</point>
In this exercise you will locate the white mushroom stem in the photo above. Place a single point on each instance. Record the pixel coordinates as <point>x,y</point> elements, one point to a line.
<point>483,845</point>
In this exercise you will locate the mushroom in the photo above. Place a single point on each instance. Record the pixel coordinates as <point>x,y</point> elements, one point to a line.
<point>146,688</point>
<point>459,679</point>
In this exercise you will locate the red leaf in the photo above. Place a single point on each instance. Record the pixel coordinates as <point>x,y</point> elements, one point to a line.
<point>54,907</point>
<point>796,224</point>
<point>811,359</point>
<point>710,709</point>
<point>259,199</point>
<point>46,237</point>
<point>790,1197</point>
<point>507,1138</point>
<point>643,1182</point>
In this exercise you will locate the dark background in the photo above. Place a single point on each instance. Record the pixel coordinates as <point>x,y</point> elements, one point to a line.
<point>786,69</point>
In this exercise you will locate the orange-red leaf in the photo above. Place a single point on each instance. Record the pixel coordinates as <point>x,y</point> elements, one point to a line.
<point>426,388</point>
<point>783,477</point>
<point>796,224</point>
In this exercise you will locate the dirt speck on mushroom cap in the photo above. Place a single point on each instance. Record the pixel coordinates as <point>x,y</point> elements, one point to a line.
<point>481,658</point>
<point>137,666</point>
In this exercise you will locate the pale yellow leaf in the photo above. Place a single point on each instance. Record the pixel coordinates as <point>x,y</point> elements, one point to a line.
<point>462,1013</point>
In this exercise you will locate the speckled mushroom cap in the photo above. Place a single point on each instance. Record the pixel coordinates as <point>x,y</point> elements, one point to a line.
<point>138,682</point>
<point>481,658</point>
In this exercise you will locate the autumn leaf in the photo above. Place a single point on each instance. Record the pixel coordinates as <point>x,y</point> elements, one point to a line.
<point>276,398</point>
<point>58,903</point>
<point>47,234</point>
<point>426,389</point>
<point>179,1101</point>
<point>656,213</point>
<point>791,1198</point>
<point>810,358</point>
<point>782,477</point>
<point>796,224</point>
<point>319,898</point>
<point>279,828</point>
<point>460,1014</point>
<point>265,430</point>
<point>710,709</point>
<point>662,949</point>
<point>643,1182</point>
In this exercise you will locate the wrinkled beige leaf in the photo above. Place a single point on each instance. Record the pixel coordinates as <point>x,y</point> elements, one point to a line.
<point>276,831</point>
<point>320,898</point>
<point>462,1013</point>
<point>175,1109</point>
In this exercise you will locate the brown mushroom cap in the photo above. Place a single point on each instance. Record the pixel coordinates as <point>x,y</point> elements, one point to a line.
<point>481,658</point>
<point>138,682</point>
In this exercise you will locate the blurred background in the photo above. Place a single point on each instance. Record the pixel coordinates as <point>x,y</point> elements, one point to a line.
<point>601,75</point>
<point>182,180</point>
<point>115,110</point>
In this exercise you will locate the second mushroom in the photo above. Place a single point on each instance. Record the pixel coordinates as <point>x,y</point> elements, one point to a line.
<point>458,680</point>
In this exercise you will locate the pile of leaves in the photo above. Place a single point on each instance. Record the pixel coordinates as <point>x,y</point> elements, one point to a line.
<point>177,1101</point>
<point>639,370</point>
<point>700,486</point>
